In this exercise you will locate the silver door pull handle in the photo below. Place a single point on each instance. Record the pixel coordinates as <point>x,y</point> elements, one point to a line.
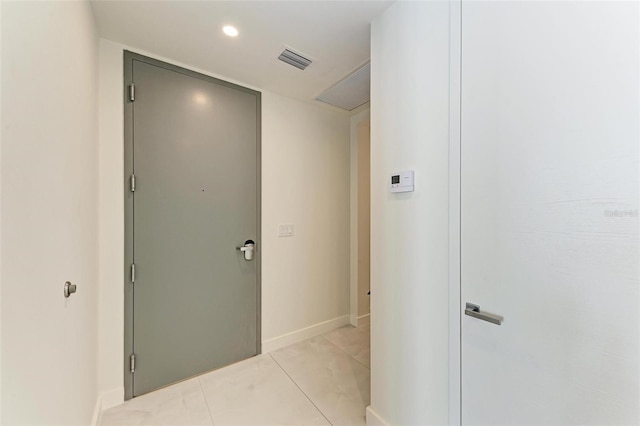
<point>474,311</point>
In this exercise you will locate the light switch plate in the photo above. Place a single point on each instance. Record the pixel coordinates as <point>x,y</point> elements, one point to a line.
<point>285,230</point>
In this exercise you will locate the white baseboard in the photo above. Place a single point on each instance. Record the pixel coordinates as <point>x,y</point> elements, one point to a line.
<point>364,320</point>
<point>353,320</point>
<point>302,334</point>
<point>97,412</point>
<point>106,400</point>
<point>373,419</point>
<point>112,397</point>
<point>359,321</point>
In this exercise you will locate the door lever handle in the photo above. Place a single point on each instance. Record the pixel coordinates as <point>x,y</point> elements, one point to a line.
<point>69,289</point>
<point>474,311</point>
<point>247,249</point>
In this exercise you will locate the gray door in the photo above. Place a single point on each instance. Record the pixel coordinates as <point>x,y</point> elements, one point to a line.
<point>192,143</point>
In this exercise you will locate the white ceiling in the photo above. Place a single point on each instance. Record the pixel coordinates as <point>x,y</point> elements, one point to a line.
<point>335,34</point>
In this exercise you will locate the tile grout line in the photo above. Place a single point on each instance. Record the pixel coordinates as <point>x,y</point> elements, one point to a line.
<point>354,358</point>
<point>298,386</point>
<point>206,401</point>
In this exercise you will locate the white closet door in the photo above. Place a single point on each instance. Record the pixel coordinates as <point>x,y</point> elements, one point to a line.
<point>549,211</point>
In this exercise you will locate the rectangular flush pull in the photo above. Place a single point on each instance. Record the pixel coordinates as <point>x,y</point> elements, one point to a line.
<point>474,311</point>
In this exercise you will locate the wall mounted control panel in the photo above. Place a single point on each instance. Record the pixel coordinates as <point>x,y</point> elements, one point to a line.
<point>402,182</point>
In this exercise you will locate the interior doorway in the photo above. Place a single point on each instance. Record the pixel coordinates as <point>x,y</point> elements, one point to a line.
<point>364,222</point>
<point>360,218</point>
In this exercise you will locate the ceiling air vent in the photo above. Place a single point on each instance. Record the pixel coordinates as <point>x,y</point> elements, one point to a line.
<point>295,59</point>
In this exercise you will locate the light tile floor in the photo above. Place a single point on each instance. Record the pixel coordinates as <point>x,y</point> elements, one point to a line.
<point>324,380</point>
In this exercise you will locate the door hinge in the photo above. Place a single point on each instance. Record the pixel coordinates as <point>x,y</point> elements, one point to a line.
<point>132,363</point>
<point>132,183</point>
<point>133,273</point>
<point>132,92</point>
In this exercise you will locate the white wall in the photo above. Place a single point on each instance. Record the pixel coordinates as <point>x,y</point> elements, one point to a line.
<point>305,168</point>
<point>111,224</point>
<point>49,212</point>
<point>409,241</point>
<point>305,181</point>
<point>0,215</point>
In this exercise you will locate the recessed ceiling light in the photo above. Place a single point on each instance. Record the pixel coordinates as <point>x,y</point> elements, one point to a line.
<point>230,31</point>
